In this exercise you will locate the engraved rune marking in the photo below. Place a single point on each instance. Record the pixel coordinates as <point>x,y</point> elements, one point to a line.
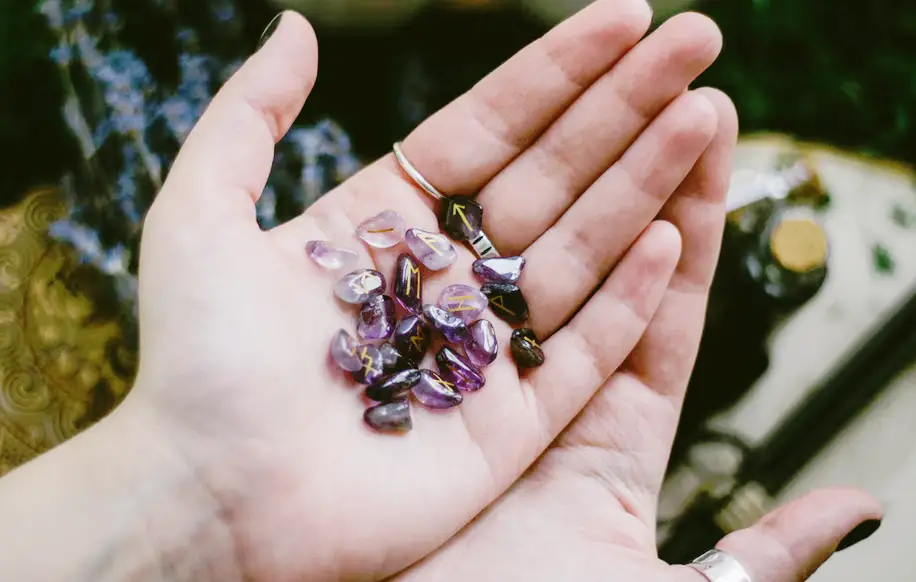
<point>366,359</point>
<point>498,301</point>
<point>380,231</point>
<point>533,342</point>
<point>417,340</point>
<point>461,306</point>
<point>413,270</point>
<point>429,240</point>
<point>361,284</point>
<point>459,210</point>
<point>438,379</point>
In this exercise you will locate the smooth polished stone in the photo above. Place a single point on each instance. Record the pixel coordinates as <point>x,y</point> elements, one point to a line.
<point>460,217</point>
<point>408,284</point>
<point>376,318</point>
<point>459,370</point>
<point>481,346</point>
<point>506,301</point>
<point>372,368</point>
<point>343,351</point>
<point>432,249</point>
<point>393,360</point>
<point>383,230</point>
<point>452,328</point>
<point>499,269</point>
<point>526,349</point>
<point>392,416</point>
<point>360,286</point>
<point>329,257</point>
<point>464,302</point>
<point>393,386</point>
<point>434,391</point>
<point>412,337</point>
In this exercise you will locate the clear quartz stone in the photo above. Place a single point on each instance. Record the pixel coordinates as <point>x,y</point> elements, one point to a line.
<point>434,250</point>
<point>359,286</point>
<point>343,351</point>
<point>382,231</point>
<point>464,302</point>
<point>330,257</point>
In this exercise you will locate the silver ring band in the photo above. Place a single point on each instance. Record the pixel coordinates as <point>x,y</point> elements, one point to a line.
<point>718,566</point>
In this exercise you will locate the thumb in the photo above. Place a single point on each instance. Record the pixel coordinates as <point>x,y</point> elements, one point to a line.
<point>791,542</point>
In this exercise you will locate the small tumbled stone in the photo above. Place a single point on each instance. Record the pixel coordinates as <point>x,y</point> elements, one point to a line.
<point>360,286</point>
<point>408,287</point>
<point>464,302</point>
<point>376,318</point>
<point>433,250</point>
<point>412,338</point>
<point>458,370</point>
<point>330,257</point>
<point>371,369</point>
<point>392,359</point>
<point>481,346</point>
<point>393,386</point>
<point>392,416</point>
<point>343,351</point>
<point>434,391</point>
<point>452,328</point>
<point>382,231</point>
<point>460,217</point>
<point>506,301</point>
<point>526,350</point>
<point>499,269</point>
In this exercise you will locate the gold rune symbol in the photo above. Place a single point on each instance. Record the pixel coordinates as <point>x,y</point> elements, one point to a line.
<point>438,379</point>
<point>413,270</point>
<point>498,301</point>
<point>430,240</point>
<point>459,210</point>
<point>532,341</point>
<point>366,359</point>
<point>380,231</point>
<point>461,306</point>
<point>417,340</point>
<point>360,284</point>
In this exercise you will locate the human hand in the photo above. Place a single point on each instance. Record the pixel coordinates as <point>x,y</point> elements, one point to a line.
<point>574,146</point>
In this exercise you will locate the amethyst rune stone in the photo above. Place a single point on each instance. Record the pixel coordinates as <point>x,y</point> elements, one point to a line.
<point>382,231</point>
<point>343,351</point>
<point>412,337</point>
<point>460,217</point>
<point>499,269</point>
<point>393,416</point>
<point>329,257</point>
<point>526,350</point>
<point>392,360</point>
<point>454,330</point>
<point>360,286</point>
<point>481,345</point>
<point>464,302</point>
<point>458,370</point>
<point>433,250</point>
<point>408,288</point>
<point>372,368</point>
<point>376,318</point>
<point>506,301</point>
<point>435,392</point>
<point>394,386</point>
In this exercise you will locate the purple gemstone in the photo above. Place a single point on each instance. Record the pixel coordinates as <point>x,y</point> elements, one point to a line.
<point>435,392</point>
<point>394,386</point>
<point>408,289</point>
<point>499,269</point>
<point>392,360</point>
<point>454,330</point>
<point>371,369</point>
<point>433,250</point>
<point>360,286</point>
<point>391,417</point>
<point>458,370</point>
<point>376,318</point>
<point>382,231</point>
<point>464,302</point>
<point>481,345</point>
<point>330,257</point>
<point>412,338</point>
<point>343,351</point>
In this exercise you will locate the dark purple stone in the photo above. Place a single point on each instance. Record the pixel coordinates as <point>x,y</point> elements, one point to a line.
<point>372,369</point>
<point>481,346</point>
<point>408,287</point>
<point>526,350</point>
<point>393,416</point>
<point>376,318</point>
<point>458,370</point>
<point>392,360</point>
<point>506,301</point>
<point>434,391</point>
<point>412,337</point>
<point>452,328</point>
<point>499,269</point>
<point>393,386</point>
<point>460,217</point>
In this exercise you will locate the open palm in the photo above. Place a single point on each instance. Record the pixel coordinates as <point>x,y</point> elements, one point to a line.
<point>573,147</point>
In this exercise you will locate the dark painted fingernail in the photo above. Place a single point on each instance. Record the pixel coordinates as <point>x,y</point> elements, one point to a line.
<point>270,30</point>
<point>862,532</point>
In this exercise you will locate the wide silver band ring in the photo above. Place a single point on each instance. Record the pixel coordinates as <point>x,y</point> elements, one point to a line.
<point>718,566</point>
<point>481,245</point>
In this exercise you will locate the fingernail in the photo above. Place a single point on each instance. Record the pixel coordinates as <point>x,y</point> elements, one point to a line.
<point>861,533</point>
<point>269,31</point>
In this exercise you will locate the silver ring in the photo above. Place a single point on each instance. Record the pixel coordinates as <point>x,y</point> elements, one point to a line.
<point>718,566</point>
